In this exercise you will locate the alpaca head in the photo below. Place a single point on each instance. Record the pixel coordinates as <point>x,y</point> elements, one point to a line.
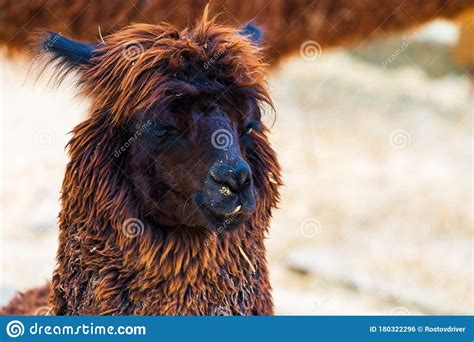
<point>177,114</point>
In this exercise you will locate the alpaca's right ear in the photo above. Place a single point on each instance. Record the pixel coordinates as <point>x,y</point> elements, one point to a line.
<point>66,54</point>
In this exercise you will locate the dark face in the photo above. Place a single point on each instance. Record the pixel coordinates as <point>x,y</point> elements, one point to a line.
<point>191,165</point>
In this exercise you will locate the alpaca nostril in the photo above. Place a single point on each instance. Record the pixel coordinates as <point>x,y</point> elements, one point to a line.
<point>242,176</point>
<point>237,178</point>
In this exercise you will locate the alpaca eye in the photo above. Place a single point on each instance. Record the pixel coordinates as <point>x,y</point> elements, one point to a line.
<point>160,133</point>
<point>163,132</point>
<point>251,127</point>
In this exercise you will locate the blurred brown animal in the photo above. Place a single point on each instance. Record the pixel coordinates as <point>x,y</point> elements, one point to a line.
<point>288,24</point>
<point>167,197</point>
<point>464,50</point>
<point>31,302</point>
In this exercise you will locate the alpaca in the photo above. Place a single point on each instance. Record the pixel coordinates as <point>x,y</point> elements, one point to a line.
<point>288,24</point>
<point>168,194</point>
<point>32,302</point>
<point>463,52</point>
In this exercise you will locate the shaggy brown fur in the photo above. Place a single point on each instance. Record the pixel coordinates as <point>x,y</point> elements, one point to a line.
<point>169,269</point>
<point>288,23</point>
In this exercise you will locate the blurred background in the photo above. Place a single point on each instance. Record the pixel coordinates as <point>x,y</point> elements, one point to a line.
<point>376,146</point>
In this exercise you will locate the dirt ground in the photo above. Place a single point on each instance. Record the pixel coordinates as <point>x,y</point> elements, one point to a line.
<point>376,211</point>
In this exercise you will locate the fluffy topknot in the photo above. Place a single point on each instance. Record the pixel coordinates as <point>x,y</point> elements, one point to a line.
<point>143,64</point>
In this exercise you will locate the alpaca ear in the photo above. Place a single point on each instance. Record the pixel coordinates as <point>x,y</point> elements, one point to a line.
<point>66,54</point>
<point>252,32</point>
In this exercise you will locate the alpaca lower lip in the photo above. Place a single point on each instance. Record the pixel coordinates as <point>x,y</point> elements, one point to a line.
<point>237,212</point>
<point>229,216</point>
<point>227,220</point>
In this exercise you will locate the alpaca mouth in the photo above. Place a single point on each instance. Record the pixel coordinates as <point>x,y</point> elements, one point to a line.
<point>222,221</point>
<point>227,221</point>
<point>235,214</point>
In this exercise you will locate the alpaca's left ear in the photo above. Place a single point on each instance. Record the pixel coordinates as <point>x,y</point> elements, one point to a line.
<point>68,54</point>
<point>253,32</point>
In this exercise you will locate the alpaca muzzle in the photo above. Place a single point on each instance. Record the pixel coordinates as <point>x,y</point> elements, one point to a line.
<point>233,178</point>
<point>228,198</point>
